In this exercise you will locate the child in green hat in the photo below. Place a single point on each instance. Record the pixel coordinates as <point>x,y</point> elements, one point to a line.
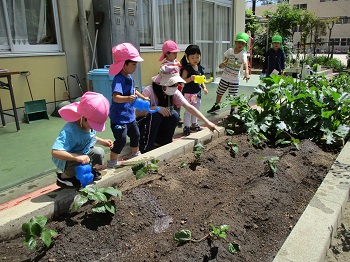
<point>234,58</point>
<point>275,58</point>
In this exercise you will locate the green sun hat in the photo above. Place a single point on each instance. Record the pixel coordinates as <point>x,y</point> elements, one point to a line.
<point>242,37</point>
<point>277,39</point>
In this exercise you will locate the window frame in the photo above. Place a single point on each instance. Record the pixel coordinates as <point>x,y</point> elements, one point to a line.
<point>40,48</point>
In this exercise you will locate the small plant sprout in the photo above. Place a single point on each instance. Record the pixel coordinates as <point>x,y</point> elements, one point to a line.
<point>198,151</point>
<point>271,163</point>
<point>185,235</point>
<point>183,164</point>
<point>233,146</point>
<point>36,228</point>
<point>143,168</point>
<point>98,197</point>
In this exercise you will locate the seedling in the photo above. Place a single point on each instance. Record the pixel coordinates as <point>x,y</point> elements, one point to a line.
<point>183,164</point>
<point>198,151</point>
<point>36,228</point>
<point>185,235</point>
<point>98,197</point>
<point>143,168</point>
<point>233,146</point>
<point>271,162</point>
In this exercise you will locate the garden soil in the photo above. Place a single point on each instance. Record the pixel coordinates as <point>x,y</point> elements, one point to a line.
<point>221,188</point>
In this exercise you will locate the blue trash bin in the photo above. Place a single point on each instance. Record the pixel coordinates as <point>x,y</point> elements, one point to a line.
<point>102,81</point>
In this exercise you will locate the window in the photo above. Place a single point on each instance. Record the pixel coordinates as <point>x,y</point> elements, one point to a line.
<point>343,42</point>
<point>29,26</point>
<point>348,41</point>
<point>301,6</point>
<point>161,20</point>
<point>145,23</point>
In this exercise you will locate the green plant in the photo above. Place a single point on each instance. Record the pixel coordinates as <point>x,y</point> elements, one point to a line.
<point>314,67</point>
<point>143,168</point>
<point>98,197</point>
<point>232,146</point>
<point>272,164</point>
<point>198,151</point>
<point>185,235</point>
<point>314,109</point>
<point>36,228</point>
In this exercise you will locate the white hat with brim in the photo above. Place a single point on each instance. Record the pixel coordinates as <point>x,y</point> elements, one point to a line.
<point>170,79</point>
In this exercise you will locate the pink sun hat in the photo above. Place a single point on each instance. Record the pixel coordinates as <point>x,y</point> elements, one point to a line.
<point>93,106</point>
<point>121,53</point>
<point>169,46</point>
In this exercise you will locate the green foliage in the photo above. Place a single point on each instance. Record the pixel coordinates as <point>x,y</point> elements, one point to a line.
<point>99,198</point>
<point>232,146</point>
<point>183,164</point>
<point>289,111</point>
<point>185,235</point>
<point>272,164</point>
<point>143,168</point>
<point>35,228</point>
<point>198,150</point>
<point>324,61</point>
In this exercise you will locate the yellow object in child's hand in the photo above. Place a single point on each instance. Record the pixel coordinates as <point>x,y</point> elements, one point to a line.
<point>201,79</point>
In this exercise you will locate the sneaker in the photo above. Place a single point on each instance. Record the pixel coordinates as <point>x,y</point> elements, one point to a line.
<point>71,182</point>
<point>138,153</point>
<point>187,131</point>
<point>112,163</point>
<point>97,175</point>
<point>216,107</point>
<point>196,128</point>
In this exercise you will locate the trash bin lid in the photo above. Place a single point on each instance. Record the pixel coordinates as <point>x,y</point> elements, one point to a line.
<point>99,72</point>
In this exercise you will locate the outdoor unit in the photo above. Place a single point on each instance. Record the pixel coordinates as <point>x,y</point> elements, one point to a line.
<point>119,26</point>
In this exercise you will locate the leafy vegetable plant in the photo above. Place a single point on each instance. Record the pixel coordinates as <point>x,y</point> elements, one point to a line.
<point>35,228</point>
<point>98,197</point>
<point>143,168</point>
<point>272,164</point>
<point>233,146</point>
<point>288,111</point>
<point>185,235</point>
<point>198,150</point>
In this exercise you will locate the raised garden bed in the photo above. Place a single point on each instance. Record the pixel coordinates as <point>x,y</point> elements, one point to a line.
<point>220,188</point>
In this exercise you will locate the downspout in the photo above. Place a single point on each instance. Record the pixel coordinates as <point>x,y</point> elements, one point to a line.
<point>84,40</point>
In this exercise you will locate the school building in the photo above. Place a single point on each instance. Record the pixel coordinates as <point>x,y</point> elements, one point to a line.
<point>324,9</point>
<point>59,42</point>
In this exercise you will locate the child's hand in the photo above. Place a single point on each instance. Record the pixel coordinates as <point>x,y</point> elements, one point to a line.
<point>205,90</point>
<point>146,98</point>
<point>84,159</point>
<point>132,98</point>
<point>246,77</point>
<point>108,143</point>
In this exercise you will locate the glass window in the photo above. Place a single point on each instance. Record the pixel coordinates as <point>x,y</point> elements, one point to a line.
<point>348,41</point>
<point>165,20</point>
<point>28,26</point>
<point>145,23</point>
<point>183,23</point>
<point>343,42</point>
<point>336,41</point>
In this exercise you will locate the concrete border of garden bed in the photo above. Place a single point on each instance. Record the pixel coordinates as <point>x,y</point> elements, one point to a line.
<point>308,241</point>
<point>58,201</point>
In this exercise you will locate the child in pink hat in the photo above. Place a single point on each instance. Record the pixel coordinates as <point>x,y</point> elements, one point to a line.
<point>124,94</point>
<point>170,63</point>
<point>76,141</point>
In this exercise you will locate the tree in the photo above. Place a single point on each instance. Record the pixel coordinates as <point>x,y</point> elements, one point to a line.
<point>330,24</point>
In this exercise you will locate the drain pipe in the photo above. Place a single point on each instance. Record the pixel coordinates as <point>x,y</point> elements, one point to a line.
<point>84,39</point>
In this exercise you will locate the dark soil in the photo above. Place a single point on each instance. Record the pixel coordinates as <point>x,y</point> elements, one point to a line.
<point>238,190</point>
